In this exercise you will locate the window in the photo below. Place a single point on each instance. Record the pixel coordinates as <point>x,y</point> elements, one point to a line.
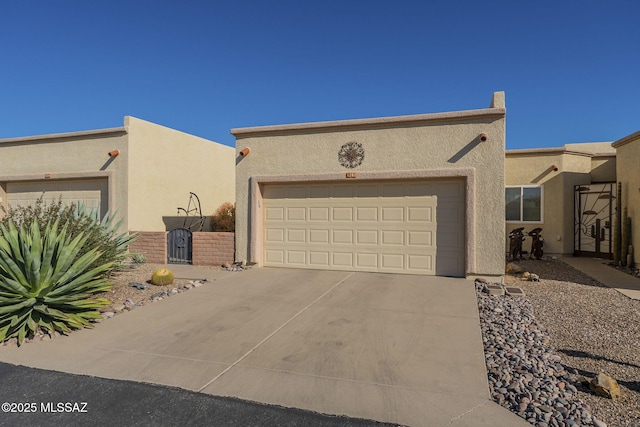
<point>523,204</point>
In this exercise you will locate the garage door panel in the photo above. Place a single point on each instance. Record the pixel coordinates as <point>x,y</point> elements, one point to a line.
<point>296,236</point>
<point>392,261</point>
<point>420,263</point>
<point>342,259</point>
<point>342,214</point>
<point>367,237</point>
<point>343,237</point>
<point>412,227</point>
<point>274,257</point>
<point>296,214</point>
<point>319,258</point>
<point>394,213</point>
<point>319,236</point>
<point>367,214</point>
<point>318,214</point>
<point>274,214</point>
<point>297,257</point>
<point>367,260</point>
<point>420,214</point>
<point>393,237</point>
<point>275,235</point>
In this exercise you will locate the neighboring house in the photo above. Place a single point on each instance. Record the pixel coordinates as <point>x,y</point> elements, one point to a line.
<point>142,171</point>
<point>420,194</point>
<point>628,174</point>
<point>565,191</point>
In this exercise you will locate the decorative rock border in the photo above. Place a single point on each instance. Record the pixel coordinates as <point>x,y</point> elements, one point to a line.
<point>524,375</point>
<point>112,311</point>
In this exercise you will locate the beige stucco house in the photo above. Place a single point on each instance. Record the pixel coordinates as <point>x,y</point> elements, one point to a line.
<point>421,194</point>
<point>566,192</point>
<point>628,174</point>
<point>142,171</point>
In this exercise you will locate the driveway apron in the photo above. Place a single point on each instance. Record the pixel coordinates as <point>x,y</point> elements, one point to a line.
<point>393,348</point>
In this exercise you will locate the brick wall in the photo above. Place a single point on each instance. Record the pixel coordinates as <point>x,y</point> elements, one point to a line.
<point>208,248</point>
<point>152,244</point>
<point>213,248</point>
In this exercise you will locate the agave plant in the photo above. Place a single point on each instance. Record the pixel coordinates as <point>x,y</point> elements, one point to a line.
<point>44,284</point>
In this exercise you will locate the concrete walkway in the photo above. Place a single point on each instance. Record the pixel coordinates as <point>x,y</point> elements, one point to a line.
<point>598,269</point>
<point>390,348</point>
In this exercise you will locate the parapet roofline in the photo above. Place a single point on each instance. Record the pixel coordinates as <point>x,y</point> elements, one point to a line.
<point>556,150</point>
<point>496,113</point>
<point>627,139</point>
<point>66,135</point>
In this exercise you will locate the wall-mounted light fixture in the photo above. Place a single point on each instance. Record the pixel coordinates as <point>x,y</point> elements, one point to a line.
<point>483,137</point>
<point>554,168</point>
<point>245,152</point>
<point>114,153</point>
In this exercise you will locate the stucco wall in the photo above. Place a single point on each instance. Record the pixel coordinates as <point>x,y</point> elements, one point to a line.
<point>165,165</point>
<point>75,155</point>
<point>432,142</point>
<point>534,167</point>
<point>628,150</point>
<point>603,168</point>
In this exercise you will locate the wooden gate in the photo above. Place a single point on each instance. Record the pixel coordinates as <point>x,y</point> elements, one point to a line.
<point>180,246</point>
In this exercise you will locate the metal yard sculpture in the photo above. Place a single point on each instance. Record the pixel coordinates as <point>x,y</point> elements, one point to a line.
<point>537,243</point>
<point>516,237</point>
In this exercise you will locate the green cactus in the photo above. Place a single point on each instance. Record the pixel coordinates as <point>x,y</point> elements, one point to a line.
<point>162,277</point>
<point>617,227</point>
<point>626,235</point>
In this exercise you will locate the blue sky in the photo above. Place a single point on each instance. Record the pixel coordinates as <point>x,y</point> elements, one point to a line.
<point>570,69</point>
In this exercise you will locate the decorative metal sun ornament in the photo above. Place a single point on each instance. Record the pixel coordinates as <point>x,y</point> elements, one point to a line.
<point>351,155</point>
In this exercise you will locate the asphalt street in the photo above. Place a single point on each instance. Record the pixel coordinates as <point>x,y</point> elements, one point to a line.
<point>35,397</point>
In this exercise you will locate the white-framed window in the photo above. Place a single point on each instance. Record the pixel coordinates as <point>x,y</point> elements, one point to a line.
<point>523,203</point>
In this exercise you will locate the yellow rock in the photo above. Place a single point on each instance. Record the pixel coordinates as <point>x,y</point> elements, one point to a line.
<point>605,386</point>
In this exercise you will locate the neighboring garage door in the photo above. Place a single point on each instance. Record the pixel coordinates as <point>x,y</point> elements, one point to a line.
<point>397,227</point>
<point>91,193</point>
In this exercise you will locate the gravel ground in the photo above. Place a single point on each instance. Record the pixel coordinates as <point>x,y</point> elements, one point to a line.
<point>593,329</point>
<point>138,273</point>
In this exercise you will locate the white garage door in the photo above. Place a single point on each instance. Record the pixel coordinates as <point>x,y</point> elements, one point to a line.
<point>396,227</point>
<point>91,193</point>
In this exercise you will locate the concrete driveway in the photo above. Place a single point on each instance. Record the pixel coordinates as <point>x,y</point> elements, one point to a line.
<point>391,348</point>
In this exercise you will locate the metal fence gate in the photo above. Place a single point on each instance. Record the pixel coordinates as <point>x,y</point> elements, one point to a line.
<point>593,220</point>
<point>179,246</point>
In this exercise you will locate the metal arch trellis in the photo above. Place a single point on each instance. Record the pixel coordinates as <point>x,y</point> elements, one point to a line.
<point>193,221</point>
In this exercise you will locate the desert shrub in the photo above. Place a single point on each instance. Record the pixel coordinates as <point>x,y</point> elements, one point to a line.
<point>102,234</point>
<point>225,217</point>
<point>138,258</point>
<point>45,283</point>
